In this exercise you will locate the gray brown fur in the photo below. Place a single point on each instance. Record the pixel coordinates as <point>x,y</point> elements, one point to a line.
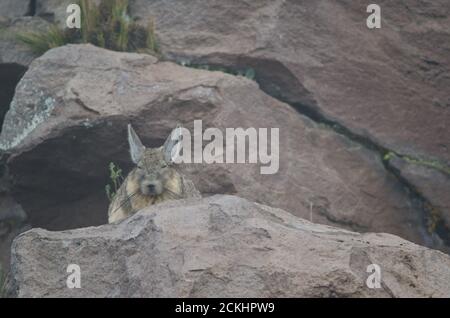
<point>153,180</point>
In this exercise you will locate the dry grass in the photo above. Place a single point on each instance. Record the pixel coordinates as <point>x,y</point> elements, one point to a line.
<point>107,25</point>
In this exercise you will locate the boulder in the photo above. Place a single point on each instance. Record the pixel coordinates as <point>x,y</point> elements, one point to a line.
<point>387,85</point>
<point>222,246</point>
<point>68,120</point>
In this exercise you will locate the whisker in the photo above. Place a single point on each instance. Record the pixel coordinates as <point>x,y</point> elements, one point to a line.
<point>125,201</point>
<point>175,195</point>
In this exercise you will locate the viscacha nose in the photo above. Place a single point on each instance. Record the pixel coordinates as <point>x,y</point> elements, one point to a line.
<point>151,188</point>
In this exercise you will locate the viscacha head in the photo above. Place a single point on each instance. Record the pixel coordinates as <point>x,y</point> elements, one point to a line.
<point>154,166</point>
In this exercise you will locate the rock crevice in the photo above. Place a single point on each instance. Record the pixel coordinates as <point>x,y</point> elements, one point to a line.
<point>309,109</point>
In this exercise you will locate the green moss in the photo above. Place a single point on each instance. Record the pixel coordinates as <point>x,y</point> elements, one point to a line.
<point>40,42</point>
<point>107,25</point>
<point>249,72</point>
<point>428,163</point>
<point>388,156</point>
<point>417,161</point>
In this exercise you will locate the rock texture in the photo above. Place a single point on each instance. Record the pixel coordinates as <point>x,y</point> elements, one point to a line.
<point>70,111</point>
<point>223,246</point>
<point>387,86</point>
<point>363,117</point>
<point>433,183</point>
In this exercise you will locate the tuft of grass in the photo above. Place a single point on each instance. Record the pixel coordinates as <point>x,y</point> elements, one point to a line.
<point>107,25</point>
<point>89,19</point>
<point>115,174</point>
<point>40,42</point>
<point>151,41</point>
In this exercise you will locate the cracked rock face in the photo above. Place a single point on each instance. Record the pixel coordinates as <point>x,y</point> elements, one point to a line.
<point>222,246</point>
<point>390,85</point>
<point>67,123</point>
<point>435,186</point>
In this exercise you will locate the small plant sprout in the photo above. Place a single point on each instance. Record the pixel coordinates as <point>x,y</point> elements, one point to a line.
<point>116,177</point>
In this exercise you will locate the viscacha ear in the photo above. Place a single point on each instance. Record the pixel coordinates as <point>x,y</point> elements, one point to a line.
<point>136,146</point>
<point>170,143</point>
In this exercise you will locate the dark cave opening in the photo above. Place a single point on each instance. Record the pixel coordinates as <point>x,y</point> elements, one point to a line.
<point>10,75</point>
<point>32,8</point>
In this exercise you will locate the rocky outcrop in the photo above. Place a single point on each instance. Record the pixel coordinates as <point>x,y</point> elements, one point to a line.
<point>363,117</point>
<point>308,54</point>
<point>222,246</point>
<point>388,85</point>
<point>387,88</point>
<point>71,123</point>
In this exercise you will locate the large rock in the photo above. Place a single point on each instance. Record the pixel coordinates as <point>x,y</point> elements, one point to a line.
<point>223,246</point>
<point>388,85</point>
<point>67,122</point>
